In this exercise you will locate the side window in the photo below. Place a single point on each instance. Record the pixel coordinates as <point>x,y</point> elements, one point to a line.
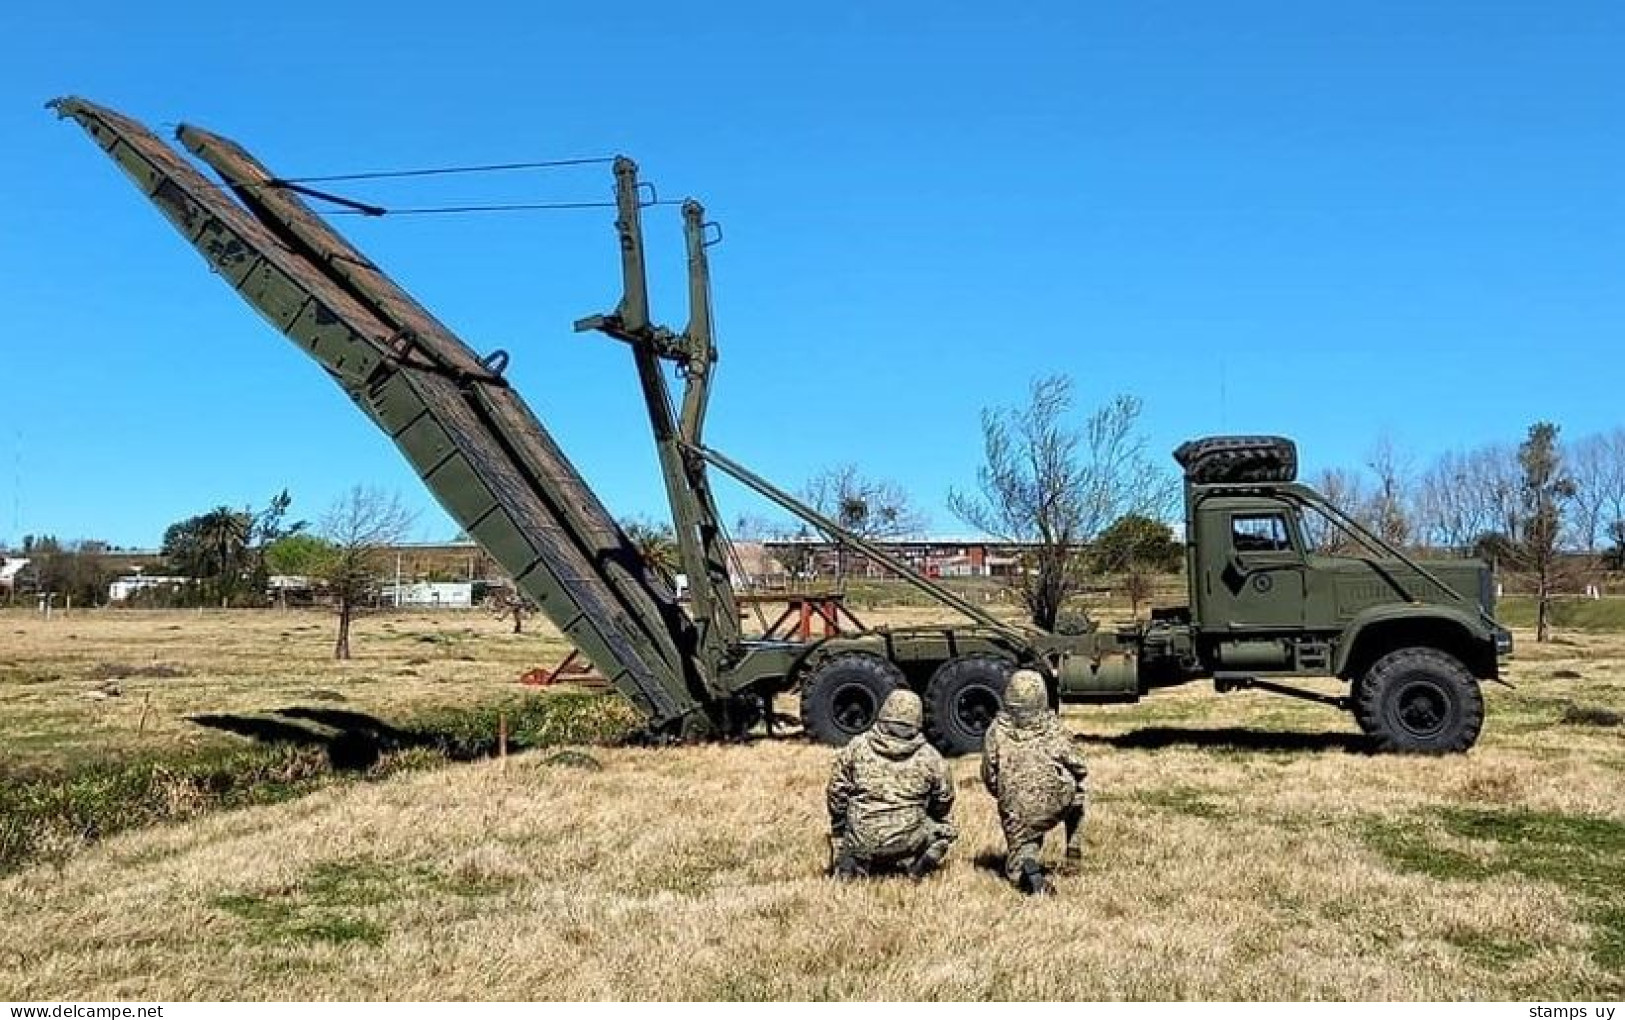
<point>1260,533</point>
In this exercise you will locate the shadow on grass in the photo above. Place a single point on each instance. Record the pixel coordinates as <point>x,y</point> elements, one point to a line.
<point>1231,738</point>
<point>991,862</point>
<point>354,742</point>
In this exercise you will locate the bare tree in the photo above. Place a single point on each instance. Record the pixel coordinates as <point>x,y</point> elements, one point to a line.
<point>1343,490</point>
<point>1467,501</point>
<point>1614,481</point>
<point>1448,514</point>
<point>1596,465</point>
<point>1498,475</point>
<point>1546,492</point>
<point>871,508</point>
<point>1587,462</point>
<point>359,527</point>
<point>752,527</point>
<point>1054,487</point>
<point>1388,512</point>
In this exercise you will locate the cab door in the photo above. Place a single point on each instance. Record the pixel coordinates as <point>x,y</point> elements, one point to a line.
<point>1258,585</point>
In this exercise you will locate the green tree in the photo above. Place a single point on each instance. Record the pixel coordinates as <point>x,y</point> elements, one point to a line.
<point>223,550</point>
<point>1136,539</point>
<point>1614,558</point>
<point>300,555</point>
<point>212,549</point>
<point>266,528</point>
<point>1545,493</point>
<point>656,543</point>
<point>1138,548</point>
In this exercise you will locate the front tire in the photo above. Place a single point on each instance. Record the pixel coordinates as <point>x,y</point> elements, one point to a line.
<point>843,695</point>
<point>962,699</point>
<point>1420,701</point>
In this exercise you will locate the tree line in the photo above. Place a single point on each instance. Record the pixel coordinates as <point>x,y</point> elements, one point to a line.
<point>1084,497</point>
<point>226,557</point>
<point>1521,506</point>
<point>1482,501</point>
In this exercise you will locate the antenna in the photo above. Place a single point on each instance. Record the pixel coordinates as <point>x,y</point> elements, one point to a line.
<point>17,485</point>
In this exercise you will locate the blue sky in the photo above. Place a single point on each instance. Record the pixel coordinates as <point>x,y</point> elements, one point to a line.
<point>1333,221</point>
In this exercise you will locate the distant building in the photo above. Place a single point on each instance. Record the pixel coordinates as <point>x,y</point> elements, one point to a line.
<point>752,564</point>
<point>464,561</point>
<point>122,588</point>
<point>942,557</point>
<point>428,595</point>
<point>10,567</point>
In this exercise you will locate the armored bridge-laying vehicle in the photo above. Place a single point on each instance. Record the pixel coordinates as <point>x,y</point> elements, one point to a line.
<point>1409,641</point>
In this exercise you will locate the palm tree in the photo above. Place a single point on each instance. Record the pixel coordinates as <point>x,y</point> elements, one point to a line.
<point>222,537</point>
<point>656,544</point>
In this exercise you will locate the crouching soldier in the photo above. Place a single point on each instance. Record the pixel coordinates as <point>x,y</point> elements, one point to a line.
<point>1031,768</point>
<point>889,796</point>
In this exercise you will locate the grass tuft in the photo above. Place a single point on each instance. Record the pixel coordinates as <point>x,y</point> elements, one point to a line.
<point>122,671</point>
<point>1591,715</point>
<point>322,907</point>
<point>1183,800</point>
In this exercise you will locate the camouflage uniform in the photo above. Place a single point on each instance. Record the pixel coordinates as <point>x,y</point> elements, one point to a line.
<point>889,797</point>
<point>1031,768</point>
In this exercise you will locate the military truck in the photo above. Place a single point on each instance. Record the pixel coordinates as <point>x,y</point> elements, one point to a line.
<point>1408,641</point>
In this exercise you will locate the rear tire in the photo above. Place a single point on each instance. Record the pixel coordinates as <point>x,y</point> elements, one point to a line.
<point>843,695</point>
<point>1419,701</point>
<point>963,697</point>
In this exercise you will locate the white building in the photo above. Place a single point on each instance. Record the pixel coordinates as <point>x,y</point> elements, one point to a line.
<point>10,567</point>
<point>128,585</point>
<point>429,595</point>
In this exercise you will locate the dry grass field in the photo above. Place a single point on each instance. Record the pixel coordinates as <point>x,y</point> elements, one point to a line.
<point>1239,846</point>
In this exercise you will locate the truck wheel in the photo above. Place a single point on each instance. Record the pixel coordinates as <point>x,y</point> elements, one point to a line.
<point>1421,701</point>
<point>842,697</point>
<point>961,700</point>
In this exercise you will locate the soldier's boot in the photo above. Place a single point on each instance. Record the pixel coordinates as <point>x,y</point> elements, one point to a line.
<point>1032,880</point>
<point>846,868</point>
<point>928,861</point>
<point>1072,863</point>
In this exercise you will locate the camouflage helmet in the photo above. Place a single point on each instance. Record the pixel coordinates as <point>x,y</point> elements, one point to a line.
<point>1026,697</point>
<point>902,713</point>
